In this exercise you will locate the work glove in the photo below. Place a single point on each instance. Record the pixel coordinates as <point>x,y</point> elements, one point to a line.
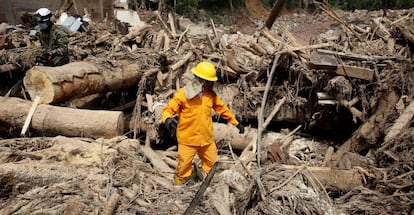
<point>44,60</point>
<point>171,125</point>
<point>240,126</point>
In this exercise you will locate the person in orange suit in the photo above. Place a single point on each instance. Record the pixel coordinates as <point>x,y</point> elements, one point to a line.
<point>194,129</point>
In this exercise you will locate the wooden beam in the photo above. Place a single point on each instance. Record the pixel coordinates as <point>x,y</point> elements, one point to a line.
<point>355,72</point>
<point>30,114</point>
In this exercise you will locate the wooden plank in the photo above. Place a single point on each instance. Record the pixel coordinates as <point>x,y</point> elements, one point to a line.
<point>327,102</point>
<point>323,62</point>
<point>355,72</point>
<point>30,114</point>
<point>324,96</point>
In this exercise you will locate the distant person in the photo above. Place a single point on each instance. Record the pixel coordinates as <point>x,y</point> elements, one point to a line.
<point>53,39</point>
<point>194,129</point>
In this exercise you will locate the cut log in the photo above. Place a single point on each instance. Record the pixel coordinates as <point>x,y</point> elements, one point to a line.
<point>78,79</point>
<point>343,180</point>
<point>50,120</point>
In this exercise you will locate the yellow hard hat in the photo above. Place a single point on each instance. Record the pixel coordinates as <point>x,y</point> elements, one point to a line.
<point>205,70</point>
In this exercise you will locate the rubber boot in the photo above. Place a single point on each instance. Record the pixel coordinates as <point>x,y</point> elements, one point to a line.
<point>180,180</point>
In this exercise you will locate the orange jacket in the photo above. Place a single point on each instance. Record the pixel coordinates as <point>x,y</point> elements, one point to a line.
<point>195,124</point>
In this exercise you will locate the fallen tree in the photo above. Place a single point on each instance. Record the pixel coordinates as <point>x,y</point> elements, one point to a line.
<point>52,120</point>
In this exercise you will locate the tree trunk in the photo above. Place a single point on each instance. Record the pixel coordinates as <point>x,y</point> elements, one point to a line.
<point>50,120</point>
<point>277,7</point>
<point>78,79</point>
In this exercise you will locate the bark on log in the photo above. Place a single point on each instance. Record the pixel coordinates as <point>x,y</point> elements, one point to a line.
<point>78,79</point>
<point>50,120</point>
<point>343,180</point>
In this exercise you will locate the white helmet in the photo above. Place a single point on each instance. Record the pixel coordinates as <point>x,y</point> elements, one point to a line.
<point>43,15</point>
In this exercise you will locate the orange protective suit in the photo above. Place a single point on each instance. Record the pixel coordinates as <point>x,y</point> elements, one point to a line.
<point>195,128</point>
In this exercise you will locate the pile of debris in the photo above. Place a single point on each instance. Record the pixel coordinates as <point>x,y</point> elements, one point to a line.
<point>354,77</point>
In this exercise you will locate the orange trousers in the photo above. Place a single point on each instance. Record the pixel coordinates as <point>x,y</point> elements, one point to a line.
<point>207,155</point>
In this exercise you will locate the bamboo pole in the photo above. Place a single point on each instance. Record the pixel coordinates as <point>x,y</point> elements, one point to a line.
<point>262,107</point>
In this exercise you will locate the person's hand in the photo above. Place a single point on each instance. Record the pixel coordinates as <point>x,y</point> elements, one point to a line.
<point>59,51</point>
<point>241,128</point>
<point>171,125</point>
<point>43,60</point>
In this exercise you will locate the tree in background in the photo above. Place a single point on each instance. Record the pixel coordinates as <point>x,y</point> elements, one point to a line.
<point>190,8</point>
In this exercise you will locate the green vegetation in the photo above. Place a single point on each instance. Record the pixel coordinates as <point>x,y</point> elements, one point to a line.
<point>200,9</point>
<point>187,7</point>
<point>191,6</point>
